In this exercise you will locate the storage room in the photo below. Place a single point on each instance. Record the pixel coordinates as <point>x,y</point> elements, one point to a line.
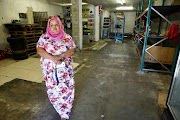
<point>89,60</point>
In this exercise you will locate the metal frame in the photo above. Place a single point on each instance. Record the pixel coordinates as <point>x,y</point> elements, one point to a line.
<point>137,14</point>
<point>140,39</point>
<point>145,50</point>
<point>146,35</point>
<point>106,31</point>
<point>118,35</point>
<point>111,27</point>
<point>142,6</point>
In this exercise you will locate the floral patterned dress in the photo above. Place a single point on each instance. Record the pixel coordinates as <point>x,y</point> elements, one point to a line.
<point>60,83</point>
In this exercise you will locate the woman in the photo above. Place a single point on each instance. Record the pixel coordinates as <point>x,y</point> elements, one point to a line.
<point>56,48</point>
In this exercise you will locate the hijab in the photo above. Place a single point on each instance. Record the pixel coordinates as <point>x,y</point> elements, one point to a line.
<point>56,36</point>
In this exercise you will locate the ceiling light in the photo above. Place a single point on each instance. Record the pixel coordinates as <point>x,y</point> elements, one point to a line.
<point>120,1</point>
<point>69,4</point>
<point>66,4</point>
<point>125,8</point>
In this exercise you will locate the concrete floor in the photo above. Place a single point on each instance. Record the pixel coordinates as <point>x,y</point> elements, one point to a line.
<point>108,87</point>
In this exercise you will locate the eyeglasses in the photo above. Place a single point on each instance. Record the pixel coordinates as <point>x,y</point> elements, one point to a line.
<point>56,25</point>
<point>51,25</point>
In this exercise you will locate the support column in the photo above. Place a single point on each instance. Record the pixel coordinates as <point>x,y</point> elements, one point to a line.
<point>96,23</point>
<point>77,22</point>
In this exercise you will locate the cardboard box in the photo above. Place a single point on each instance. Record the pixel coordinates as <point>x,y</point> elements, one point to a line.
<point>120,15</point>
<point>163,54</point>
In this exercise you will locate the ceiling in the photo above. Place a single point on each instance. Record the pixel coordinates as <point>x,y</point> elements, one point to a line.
<point>109,5</point>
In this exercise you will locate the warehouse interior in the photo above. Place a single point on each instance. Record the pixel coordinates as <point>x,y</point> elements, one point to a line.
<point>126,64</point>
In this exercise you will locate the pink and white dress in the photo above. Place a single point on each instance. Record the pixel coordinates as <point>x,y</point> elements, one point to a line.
<point>60,83</point>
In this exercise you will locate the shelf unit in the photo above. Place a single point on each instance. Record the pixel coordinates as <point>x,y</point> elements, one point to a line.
<point>120,23</point>
<point>31,33</point>
<point>88,29</point>
<point>141,38</point>
<point>106,28</point>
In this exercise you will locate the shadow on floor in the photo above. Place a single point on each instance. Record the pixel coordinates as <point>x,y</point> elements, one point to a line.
<point>23,100</point>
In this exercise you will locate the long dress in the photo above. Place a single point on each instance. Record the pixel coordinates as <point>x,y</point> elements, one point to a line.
<point>60,83</point>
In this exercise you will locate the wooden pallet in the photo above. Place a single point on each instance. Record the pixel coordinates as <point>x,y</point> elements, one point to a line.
<point>31,33</point>
<point>32,40</point>
<point>38,31</point>
<point>21,25</point>
<point>25,36</point>
<point>25,28</point>
<point>17,32</point>
<point>31,53</point>
<point>31,46</point>
<point>20,51</point>
<point>38,28</point>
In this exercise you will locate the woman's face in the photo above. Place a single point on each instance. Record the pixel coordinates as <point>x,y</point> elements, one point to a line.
<point>54,26</point>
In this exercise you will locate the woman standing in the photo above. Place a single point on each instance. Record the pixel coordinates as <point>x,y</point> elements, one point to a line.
<point>56,48</point>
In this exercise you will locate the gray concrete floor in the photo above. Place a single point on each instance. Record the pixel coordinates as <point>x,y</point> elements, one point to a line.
<point>108,87</point>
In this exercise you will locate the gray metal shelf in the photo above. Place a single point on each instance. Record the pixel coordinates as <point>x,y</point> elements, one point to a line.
<point>106,28</point>
<point>120,23</point>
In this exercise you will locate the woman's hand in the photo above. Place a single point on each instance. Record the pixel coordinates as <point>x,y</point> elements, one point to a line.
<point>54,59</point>
<point>57,58</point>
<point>68,53</point>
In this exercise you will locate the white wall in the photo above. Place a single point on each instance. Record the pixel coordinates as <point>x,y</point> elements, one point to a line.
<point>159,2</point>
<point>106,13</point>
<point>129,21</point>
<point>90,6</point>
<point>10,8</point>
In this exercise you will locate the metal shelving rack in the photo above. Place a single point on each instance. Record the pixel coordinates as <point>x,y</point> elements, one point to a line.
<point>106,28</point>
<point>120,23</point>
<point>152,12</point>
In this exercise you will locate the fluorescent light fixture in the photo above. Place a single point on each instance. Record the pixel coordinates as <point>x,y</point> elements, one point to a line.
<point>125,8</point>
<point>69,4</point>
<point>121,2</point>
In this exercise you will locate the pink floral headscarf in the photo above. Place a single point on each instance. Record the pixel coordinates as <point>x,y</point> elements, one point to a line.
<point>56,36</point>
